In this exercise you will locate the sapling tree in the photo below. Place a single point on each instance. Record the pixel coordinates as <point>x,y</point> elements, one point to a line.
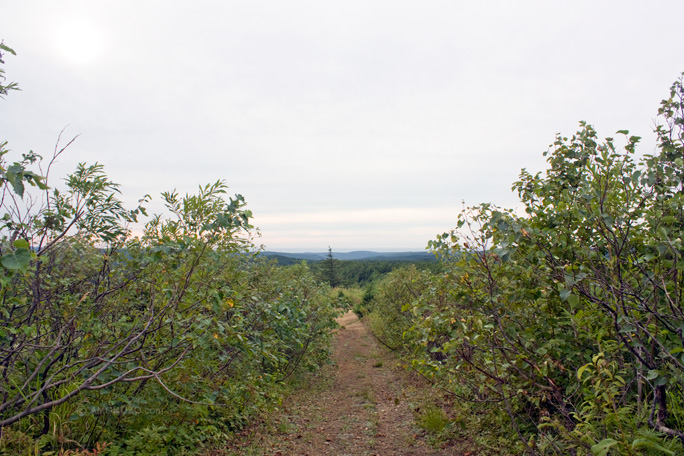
<point>330,270</point>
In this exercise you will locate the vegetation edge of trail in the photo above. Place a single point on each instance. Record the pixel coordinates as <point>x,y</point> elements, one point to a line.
<point>560,330</point>
<point>162,343</point>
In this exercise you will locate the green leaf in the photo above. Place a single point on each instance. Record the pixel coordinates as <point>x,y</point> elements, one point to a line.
<point>652,374</point>
<point>14,175</point>
<point>601,448</point>
<point>646,443</point>
<point>648,257</point>
<point>18,259</point>
<point>8,49</point>
<point>21,244</point>
<point>581,370</point>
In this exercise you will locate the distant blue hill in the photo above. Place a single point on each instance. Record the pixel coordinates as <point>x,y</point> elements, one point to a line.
<point>356,256</point>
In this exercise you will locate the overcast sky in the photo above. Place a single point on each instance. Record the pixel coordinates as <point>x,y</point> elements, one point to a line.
<point>354,124</point>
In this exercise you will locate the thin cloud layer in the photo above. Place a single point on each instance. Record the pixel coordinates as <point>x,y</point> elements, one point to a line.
<point>326,114</point>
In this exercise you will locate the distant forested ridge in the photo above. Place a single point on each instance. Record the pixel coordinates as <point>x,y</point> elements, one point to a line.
<point>363,255</point>
<point>360,268</point>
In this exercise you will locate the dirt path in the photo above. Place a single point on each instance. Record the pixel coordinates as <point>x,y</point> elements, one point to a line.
<point>362,405</point>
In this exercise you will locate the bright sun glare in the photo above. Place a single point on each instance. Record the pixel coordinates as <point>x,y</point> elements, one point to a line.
<point>79,40</point>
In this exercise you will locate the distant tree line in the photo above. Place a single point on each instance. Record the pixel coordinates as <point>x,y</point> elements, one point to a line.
<point>362,273</point>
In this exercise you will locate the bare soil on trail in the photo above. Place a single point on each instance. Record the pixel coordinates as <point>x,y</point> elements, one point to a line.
<point>362,404</point>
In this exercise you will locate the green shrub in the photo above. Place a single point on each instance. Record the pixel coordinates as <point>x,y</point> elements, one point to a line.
<point>158,344</point>
<point>433,419</point>
<point>525,302</point>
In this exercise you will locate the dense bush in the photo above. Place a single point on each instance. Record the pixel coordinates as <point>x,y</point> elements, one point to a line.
<point>160,343</point>
<point>385,307</point>
<point>564,325</point>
